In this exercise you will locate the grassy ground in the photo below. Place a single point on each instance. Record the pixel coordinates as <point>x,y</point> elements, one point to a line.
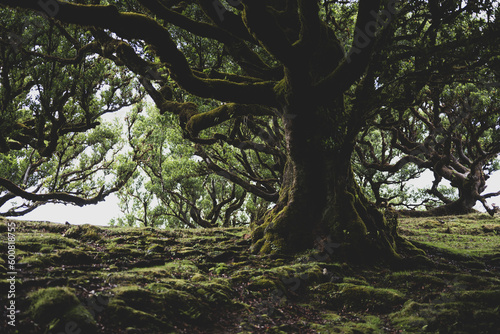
<point>87,279</point>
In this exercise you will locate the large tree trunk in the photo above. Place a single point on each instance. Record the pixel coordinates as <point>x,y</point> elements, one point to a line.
<point>319,197</point>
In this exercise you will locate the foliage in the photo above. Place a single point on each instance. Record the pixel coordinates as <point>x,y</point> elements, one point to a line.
<point>172,186</point>
<point>83,166</point>
<point>53,92</point>
<point>453,132</point>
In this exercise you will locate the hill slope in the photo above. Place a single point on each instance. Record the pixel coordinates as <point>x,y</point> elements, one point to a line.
<point>131,280</point>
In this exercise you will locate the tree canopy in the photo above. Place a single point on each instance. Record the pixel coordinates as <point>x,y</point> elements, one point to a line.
<point>321,69</point>
<point>453,131</point>
<point>52,149</point>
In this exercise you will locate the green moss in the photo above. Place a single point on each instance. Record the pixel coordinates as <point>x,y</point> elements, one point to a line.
<point>124,250</point>
<point>411,323</point>
<point>124,316</point>
<point>358,298</point>
<point>409,318</point>
<point>155,248</point>
<point>84,232</point>
<point>219,269</point>
<point>169,302</point>
<point>335,323</point>
<point>450,313</point>
<point>46,249</point>
<point>61,257</point>
<point>34,242</point>
<point>261,283</point>
<point>281,87</point>
<point>73,257</point>
<point>200,283</point>
<point>488,297</point>
<point>198,278</point>
<point>466,235</point>
<point>184,268</point>
<point>416,280</point>
<point>56,308</point>
<point>38,260</point>
<point>355,281</point>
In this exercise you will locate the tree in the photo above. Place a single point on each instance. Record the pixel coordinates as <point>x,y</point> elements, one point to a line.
<point>290,61</point>
<point>51,98</point>
<point>453,132</point>
<point>384,188</point>
<point>81,171</point>
<point>173,187</point>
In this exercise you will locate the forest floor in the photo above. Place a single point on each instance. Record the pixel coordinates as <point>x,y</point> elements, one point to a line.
<point>89,279</point>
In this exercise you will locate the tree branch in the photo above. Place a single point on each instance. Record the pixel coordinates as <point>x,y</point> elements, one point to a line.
<point>139,26</point>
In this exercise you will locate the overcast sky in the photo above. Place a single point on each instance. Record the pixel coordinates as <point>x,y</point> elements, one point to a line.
<point>99,214</point>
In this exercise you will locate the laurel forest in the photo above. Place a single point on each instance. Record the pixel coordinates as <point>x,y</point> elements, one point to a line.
<point>276,114</point>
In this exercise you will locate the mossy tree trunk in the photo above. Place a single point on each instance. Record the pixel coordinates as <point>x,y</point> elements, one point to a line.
<point>319,197</point>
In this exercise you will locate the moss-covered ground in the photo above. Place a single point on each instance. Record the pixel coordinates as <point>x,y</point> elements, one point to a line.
<point>87,279</point>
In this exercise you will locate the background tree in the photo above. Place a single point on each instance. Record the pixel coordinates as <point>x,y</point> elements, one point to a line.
<point>454,133</point>
<point>323,96</point>
<point>174,187</point>
<point>81,171</point>
<point>384,188</point>
<point>53,91</point>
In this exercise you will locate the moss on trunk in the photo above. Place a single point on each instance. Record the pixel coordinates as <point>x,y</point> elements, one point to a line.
<point>320,198</point>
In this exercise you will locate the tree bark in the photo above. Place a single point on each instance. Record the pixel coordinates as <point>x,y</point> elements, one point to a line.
<point>319,197</point>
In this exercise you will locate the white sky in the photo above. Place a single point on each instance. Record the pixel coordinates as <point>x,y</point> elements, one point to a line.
<point>98,214</point>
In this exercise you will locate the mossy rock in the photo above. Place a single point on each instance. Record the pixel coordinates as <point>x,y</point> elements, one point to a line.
<point>219,269</point>
<point>198,278</point>
<point>309,272</point>
<point>489,297</point>
<point>337,324</point>
<point>355,281</point>
<point>355,297</point>
<point>244,275</point>
<point>84,232</point>
<point>148,310</point>
<point>409,317</point>
<point>57,309</point>
<point>36,242</point>
<point>416,280</point>
<point>182,268</point>
<point>215,292</point>
<point>124,250</point>
<point>155,248</point>
<point>73,257</point>
<point>39,260</point>
<point>447,315</point>
<point>262,282</point>
<point>47,249</point>
<point>121,316</point>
